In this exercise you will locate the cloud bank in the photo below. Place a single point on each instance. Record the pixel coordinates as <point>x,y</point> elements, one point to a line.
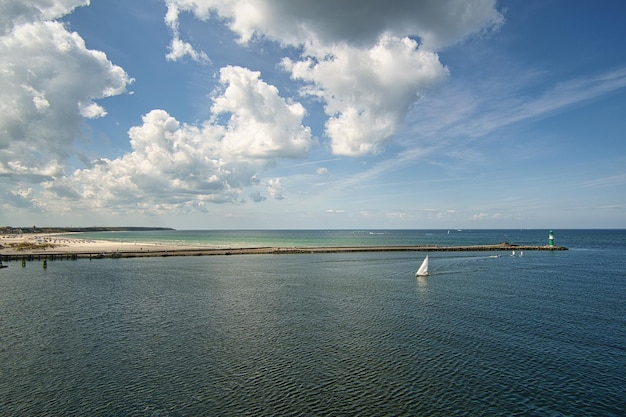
<point>174,165</point>
<point>49,82</point>
<point>368,62</point>
<point>325,22</point>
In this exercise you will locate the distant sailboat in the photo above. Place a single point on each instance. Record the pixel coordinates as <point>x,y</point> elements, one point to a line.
<point>423,269</point>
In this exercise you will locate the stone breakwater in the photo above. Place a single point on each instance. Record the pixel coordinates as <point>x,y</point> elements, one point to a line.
<point>134,252</point>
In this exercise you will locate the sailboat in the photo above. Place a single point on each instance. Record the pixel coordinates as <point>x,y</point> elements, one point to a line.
<point>423,269</point>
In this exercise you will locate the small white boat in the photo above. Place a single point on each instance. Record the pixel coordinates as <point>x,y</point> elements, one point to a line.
<point>423,269</point>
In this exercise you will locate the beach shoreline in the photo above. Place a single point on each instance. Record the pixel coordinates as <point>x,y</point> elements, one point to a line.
<point>60,244</point>
<point>53,246</point>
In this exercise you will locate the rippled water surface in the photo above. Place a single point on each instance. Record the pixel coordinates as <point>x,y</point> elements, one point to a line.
<point>320,334</point>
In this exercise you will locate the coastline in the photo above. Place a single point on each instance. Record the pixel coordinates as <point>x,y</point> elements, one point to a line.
<point>51,246</point>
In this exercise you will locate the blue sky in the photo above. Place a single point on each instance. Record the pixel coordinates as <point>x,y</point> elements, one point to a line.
<point>207,114</point>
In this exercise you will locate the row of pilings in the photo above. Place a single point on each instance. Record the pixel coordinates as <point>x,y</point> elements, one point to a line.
<point>30,257</point>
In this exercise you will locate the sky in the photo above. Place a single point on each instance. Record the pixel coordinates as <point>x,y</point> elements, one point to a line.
<point>297,114</point>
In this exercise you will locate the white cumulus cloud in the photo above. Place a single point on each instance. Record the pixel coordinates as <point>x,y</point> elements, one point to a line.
<point>179,48</point>
<point>17,12</point>
<point>275,188</point>
<point>367,91</point>
<point>49,82</point>
<point>262,124</point>
<point>178,165</point>
<point>367,61</point>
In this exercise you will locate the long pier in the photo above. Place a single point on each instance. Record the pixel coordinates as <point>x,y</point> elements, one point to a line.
<point>267,250</point>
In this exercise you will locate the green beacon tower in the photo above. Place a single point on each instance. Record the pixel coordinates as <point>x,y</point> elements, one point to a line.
<point>551,239</point>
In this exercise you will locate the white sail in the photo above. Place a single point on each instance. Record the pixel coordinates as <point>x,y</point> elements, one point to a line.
<point>423,269</point>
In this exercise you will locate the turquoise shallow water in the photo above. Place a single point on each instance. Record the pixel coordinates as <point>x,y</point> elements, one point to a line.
<point>321,334</point>
<point>246,238</point>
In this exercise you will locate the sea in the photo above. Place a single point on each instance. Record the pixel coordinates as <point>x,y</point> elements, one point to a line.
<point>334,334</point>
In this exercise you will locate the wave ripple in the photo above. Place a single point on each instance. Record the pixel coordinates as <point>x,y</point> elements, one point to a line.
<point>338,334</point>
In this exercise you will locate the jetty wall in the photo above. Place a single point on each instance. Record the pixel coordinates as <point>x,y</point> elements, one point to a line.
<point>270,250</point>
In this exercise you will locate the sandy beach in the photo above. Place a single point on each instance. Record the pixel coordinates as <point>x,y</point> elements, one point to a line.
<point>49,244</point>
<point>55,246</point>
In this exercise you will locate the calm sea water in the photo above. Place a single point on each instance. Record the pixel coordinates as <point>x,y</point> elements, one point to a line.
<point>255,238</point>
<point>322,334</point>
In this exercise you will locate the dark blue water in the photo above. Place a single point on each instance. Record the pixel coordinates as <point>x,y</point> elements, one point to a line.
<point>320,334</point>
